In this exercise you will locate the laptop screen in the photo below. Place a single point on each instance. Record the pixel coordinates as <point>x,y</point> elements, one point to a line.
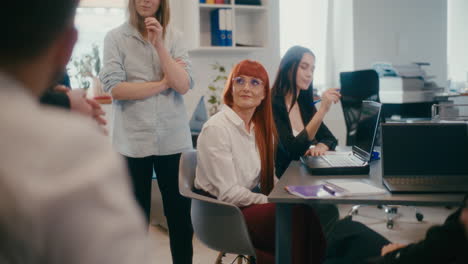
<point>424,149</point>
<point>367,128</point>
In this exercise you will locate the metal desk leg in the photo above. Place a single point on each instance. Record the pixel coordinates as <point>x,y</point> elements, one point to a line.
<point>283,233</point>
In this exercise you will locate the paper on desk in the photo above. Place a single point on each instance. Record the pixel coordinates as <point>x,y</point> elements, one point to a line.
<point>354,188</point>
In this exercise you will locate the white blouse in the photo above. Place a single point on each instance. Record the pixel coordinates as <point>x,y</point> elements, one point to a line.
<point>228,160</point>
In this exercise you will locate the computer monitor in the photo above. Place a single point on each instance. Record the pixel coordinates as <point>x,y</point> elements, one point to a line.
<point>425,149</point>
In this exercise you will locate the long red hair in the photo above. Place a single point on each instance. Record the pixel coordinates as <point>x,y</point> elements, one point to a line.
<point>265,130</point>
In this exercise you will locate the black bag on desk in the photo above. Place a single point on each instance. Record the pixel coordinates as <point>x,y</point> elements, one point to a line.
<point>248,2</point>
<point>352,242</point>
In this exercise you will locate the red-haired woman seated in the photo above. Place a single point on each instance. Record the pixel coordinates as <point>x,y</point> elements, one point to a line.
<point>236,156</point>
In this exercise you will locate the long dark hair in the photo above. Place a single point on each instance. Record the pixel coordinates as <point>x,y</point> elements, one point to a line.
<point>285,81</point>
<point>265,130</point>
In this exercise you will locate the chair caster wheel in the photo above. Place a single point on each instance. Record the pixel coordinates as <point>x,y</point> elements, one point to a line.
<point>420,217</point>
<point>390,224</point>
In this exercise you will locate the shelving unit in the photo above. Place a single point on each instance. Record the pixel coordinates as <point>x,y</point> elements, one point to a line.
<point>249,26</point>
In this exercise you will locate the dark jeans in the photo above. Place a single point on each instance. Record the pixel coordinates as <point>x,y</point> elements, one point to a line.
<point>351,242</point>
<point>328,215</point>
<point>176,207</point>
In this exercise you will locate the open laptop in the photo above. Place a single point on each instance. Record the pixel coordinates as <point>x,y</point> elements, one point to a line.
<point>425,157</point>
<point>357,161</point>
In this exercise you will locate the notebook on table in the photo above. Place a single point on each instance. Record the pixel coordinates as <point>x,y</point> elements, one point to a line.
<point>425,157</point>
<point>336,188</point>
<point>356,161</point>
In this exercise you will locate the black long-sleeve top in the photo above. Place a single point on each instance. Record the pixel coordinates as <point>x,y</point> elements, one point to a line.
<point>443,244</point>
<point>291,147</point>
<point>57,99</point>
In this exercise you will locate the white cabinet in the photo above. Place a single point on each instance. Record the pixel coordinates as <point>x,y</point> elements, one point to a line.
<point>249,26</point>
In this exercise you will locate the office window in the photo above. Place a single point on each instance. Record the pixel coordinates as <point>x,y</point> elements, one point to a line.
<point>304,22</point>
<point>93,20</point>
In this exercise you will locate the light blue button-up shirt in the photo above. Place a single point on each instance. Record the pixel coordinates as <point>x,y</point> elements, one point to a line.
<point>157,125</point>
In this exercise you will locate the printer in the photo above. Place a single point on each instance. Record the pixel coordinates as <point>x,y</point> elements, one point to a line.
<point>405,83</point>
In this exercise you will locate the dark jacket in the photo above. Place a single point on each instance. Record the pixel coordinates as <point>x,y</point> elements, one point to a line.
<point>57,99</point>
<point>290,147</point>
<point>443,244</point>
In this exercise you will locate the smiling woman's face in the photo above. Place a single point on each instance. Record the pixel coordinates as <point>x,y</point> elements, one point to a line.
<point>305,71</point>
<point>247,92</point>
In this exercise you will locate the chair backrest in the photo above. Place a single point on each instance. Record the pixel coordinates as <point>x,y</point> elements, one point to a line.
<point>220,226</point>
<point>356,87</point>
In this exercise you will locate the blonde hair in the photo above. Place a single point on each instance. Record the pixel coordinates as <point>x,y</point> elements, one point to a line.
<point>162,15</point>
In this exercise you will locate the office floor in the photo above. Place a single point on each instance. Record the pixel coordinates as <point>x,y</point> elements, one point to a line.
<point>406,230</point>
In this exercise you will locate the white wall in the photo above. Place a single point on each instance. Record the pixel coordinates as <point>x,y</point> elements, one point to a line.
<point>458,40</point>
<point>303,22</point>
<point>401,32</point>
<point>339,58</point>
<point>397,31</point>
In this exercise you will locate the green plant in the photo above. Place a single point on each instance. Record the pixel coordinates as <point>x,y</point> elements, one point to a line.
<point>216,87</point>
<point>86,67</point>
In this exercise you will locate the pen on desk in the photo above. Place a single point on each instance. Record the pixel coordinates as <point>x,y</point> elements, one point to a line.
<point>329,190</point>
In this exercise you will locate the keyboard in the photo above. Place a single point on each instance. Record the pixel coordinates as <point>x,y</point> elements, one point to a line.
<point>427,180</point>
<point>343,160</point>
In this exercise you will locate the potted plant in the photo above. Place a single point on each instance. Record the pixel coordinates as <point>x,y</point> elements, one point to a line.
<point>85,72</point>
<point>216,87</point>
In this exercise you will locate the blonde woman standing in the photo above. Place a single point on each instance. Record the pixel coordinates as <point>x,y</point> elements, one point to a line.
<point>146,69</point>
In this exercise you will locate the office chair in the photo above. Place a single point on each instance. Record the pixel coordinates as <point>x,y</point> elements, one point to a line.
<point>220,226</point>
<point>357,86</point>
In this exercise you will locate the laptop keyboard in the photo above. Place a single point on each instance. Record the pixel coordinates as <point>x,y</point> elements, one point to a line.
<point>342,161</point>
<point>423,180</point>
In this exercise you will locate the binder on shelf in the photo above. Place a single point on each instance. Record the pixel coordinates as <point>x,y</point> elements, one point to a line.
<point>248,2</point>
<point>219,1</point>
<point>228,27</point>
<point>210,1</point>
<point>218,27</point>
<point>202,1</point>
<point>223,26</point>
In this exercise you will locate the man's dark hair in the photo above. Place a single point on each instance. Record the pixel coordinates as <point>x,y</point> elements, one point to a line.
<point>30,26</point>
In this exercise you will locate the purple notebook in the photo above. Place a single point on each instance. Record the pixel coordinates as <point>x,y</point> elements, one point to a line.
<point>310,191</point>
